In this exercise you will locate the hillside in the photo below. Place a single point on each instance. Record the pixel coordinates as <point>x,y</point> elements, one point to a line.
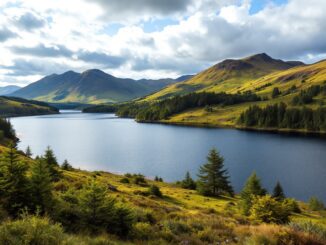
<point>227,75</point>
<point>8,89</point>
<point>177,216</point>
<point>91,86</point>
<point>11,106</point>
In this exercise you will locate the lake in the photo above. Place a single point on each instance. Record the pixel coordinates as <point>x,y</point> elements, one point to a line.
<point>105,142</point>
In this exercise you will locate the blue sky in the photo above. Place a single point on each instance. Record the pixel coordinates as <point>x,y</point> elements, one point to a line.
<point>152,38</point>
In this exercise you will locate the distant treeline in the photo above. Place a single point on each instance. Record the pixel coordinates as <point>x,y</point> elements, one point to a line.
<point>279,116</point>
<point>101,109</point>
<point>164,109</point>
<point>306,96</point>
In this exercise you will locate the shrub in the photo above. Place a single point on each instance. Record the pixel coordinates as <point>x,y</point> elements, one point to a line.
<point>269,210</point>
<point>139,180</point>
<point>177,227</point>
<point>142,231</point>
<point>125,181</point>
<point>315,204</point>
<point>31,230</point>
<point>155,191</point>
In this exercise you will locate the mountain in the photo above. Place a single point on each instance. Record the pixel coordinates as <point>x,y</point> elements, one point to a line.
<point>12,106</point>
<point>8,89</point>
<point>228,74</point>
<point>91,86</point>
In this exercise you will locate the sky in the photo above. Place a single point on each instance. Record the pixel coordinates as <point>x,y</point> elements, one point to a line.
<point>152,38</point>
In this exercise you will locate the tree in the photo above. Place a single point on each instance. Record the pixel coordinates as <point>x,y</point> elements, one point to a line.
<point>251,189</point>
<point>41,186</point>
<point>278,192</point>
<point>14,193</point>
<point>66,166</point>
<point>315,204</point>
<point>188,182</point>
<point>28,152</point>
<point>267,209</point>
<point>97,209</point>
<point>276,92</point>
<point>52,164</point>
<point>213,178</point>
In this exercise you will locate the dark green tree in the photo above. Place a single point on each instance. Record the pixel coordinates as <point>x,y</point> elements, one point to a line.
<point>28,152</point>
<point>251,189</point>
<point>41,187</point>
<point>14,194</point>
<point>66,166</point>
<point>52,164</point>
<point>213,178</point>
<point>278,192</point>
<point>276,92</point>
<point>188,182</point>
<point>155,191</point>
<point>97,209</point>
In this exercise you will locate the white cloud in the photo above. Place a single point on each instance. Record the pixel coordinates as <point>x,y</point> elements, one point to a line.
<point>41,37</point>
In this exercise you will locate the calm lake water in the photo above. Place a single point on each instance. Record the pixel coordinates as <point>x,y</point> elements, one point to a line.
<point>105,142</point>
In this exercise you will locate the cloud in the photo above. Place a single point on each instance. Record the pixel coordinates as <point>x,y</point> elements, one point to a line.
<point>42,51</point>
<point>29,21</point>
<point>6,34</point>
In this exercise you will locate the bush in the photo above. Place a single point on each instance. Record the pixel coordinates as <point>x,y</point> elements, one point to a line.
<point>139,180</point>
<point>31,230</point>
<point>125,181</point>
<point>269,210</point>
<point>315,204</point>
<point>155,191</point>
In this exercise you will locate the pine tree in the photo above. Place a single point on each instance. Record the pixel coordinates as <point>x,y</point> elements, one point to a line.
<point>188,182</point>
<point>251,189</point>
<point>97,209</point>
<point>213,178</point>
<point>14,193</point>
<point>66,166</point>
<point>28,152</point>
<point>278,192</point>
<point>52,164</point>
<point>41,187</point>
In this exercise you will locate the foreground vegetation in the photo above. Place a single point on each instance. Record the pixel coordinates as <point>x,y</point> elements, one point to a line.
<point>43,202</point>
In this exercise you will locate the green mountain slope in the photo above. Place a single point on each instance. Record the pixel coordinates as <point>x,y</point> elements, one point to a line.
<point>11,106</point>
<point>227,75</point>
<point>91,86</point>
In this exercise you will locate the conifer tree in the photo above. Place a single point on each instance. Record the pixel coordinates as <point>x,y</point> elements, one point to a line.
<point>188,182</point>
<point>14,193</point>
<point>66,166</point>
<point>251,189</point>
<point>213,178</point>
<point>278,192</point>
<point>28,152</point>
<point>41,187</point>
<point>52,164</point>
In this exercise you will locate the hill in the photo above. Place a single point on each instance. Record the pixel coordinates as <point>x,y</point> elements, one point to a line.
<point>11,106</point>
<point>8,89</point>
<point>227,75</point>
<point>178,216</point>
<point>91,86</point>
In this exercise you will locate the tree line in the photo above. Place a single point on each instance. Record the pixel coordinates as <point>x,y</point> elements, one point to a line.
<point>6,130</point>
<point>306,96</point>
<point>165,108</point>
<point>279,116</point>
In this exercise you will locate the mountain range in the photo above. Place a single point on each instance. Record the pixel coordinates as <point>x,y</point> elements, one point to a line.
<point>227,76</point>
<point>91,86</point>
<point>8,89</point>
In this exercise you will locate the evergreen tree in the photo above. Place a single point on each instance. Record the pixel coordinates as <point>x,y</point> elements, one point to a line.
<point>251,189</point>
<point>28,152</point>
<point>41,186</point>
<point>13,182</point>
<point>97,209</point>
<point>188,182</point>
<point>52,164</point>
<point>278,192</point>
<point>66,166</point>
<point>276,92</point>
<point>213,178</point>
